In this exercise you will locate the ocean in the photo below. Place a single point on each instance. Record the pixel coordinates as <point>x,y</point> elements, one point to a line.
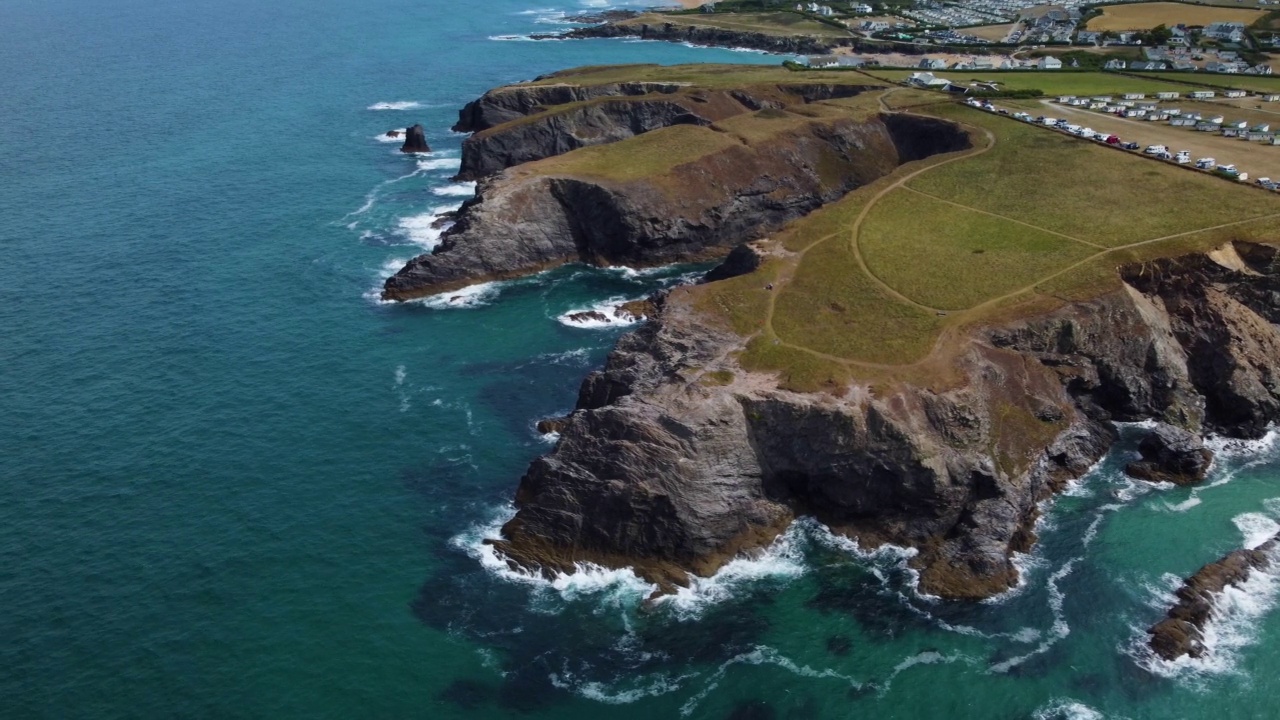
<point>235,485</point>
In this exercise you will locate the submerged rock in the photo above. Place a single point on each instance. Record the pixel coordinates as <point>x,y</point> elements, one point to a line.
<point>1171,454</point>
<point>415,140</point>
<point>395,133</point>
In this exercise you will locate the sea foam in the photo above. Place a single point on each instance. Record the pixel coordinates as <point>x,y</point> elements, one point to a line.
<point>396,105</point>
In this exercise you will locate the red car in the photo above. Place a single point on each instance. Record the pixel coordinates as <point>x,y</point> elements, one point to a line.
<point>1113,140</point>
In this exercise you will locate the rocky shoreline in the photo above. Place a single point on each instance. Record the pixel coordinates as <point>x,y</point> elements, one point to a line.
<point>660,470</point>
<point>676,458</point>
<point>525,219</point>
<point>1182,632</point>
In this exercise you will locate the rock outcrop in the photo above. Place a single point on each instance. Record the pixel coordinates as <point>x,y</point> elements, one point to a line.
<point>513,102</point>
<point>415,140</point>
<point>1171,454</point>
<point>668,474</point>
<point>527,219</point>
<point>609,113</point>
<point>1181,633</point>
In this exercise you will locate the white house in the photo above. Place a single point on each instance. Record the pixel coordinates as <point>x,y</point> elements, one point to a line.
<point>862,8</point>
<point>1049,63</point>
<point>1166,96</point>
<point>1201,95</point>
<point>1134,96</point>
<point>1235,93</point>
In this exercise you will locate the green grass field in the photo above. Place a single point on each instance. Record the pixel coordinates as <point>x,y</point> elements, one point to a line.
<point>869,284</point>
<point>971,257</point>
<point>882,283</point>
<point>1254,83</point>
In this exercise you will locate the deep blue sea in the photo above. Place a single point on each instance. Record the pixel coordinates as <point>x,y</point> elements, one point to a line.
<point>232,484</point>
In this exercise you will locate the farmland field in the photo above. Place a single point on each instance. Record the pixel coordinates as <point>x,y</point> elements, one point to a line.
<point>1254,83</point>
<point>1143,16</point>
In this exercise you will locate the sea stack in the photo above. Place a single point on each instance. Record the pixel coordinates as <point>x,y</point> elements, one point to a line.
<point>415,140</point>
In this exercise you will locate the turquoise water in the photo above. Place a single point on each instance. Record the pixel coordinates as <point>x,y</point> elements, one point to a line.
<point>234,485</point>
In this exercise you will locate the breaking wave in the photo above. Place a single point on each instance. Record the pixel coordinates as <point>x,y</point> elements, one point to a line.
<point>603,315</point>
<point>396,105</point>
<point>465,189</point>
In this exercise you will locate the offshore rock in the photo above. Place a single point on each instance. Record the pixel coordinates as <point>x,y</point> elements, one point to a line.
<point>664,472</point>
<point>415,140</point>
<point>1171,454</point>
<point>1182,631</point>
<point>524,220</point>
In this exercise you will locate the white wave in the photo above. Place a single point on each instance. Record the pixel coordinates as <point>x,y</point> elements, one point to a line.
<point>387,139</point>
<point>1067,709</point>
<point>1183,506</point>
<point>541,11</point>
<point>465,189</point>
<point>425,229</point>
<point>439,164</point>
<point>607,310</point>
<point>1059,630</point>
<point>1256,528</point>
<point>764,655</point>
<point>783,558</point>
<point>400,375</point>
<point>1233,626</point>
<point>472,296</point>
<point>594,3</point>
<point>602,693</point>
<point>1233,448</point>
<point>372,197</point>
<point>512,38</point>
<point>396,105</point>
<point>618,585</point>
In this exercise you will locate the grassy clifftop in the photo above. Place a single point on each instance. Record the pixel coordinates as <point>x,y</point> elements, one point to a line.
<point>886,283</point>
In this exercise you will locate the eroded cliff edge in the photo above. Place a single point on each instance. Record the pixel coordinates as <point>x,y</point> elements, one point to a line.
<point>690,192</point>
<point>676,458</point>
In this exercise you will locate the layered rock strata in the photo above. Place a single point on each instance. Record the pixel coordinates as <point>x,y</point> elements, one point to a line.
<point>662,471</point>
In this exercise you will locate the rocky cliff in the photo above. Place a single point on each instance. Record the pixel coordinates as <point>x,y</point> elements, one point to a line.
<point>513,102</point>
<point>535,216</point>
<point>661,470</point>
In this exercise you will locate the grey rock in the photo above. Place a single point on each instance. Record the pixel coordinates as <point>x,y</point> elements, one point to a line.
<point>1171,454</point>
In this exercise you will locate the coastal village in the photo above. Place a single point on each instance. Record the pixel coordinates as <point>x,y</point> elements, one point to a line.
<point>1190,84</point>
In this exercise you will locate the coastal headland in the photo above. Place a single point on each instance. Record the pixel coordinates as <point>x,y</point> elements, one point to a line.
<point>928,321</point>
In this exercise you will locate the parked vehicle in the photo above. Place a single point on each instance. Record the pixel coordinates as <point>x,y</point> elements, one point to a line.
<point>1112,140</point>
<point>1183,157</point>
<point>1206,163</point>
<point>1156,150</point>
<point>1130,145</point>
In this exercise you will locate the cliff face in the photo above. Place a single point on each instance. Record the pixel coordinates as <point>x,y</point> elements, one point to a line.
<point>665,473</point>
<point>534,132</point>
<point>511,103</point>
<point>531,217</point>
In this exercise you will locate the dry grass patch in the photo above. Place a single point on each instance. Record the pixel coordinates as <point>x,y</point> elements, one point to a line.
<point>1143,16</point>
<point>951,258</point>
